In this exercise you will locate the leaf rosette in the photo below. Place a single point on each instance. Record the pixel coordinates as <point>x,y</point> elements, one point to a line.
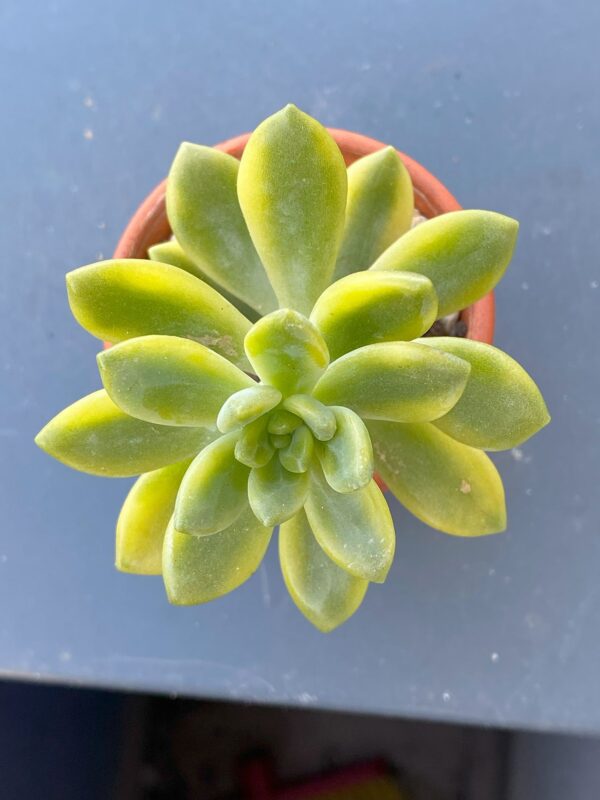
<point>272,356</point>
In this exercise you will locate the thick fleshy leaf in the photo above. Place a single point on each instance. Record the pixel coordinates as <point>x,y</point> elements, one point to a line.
<point>197,569</point>
<point>276,494</point>
<point>169,380</point>
<point>287,351</point>
<point>254,448</point>
<point>500,407</point>
<point>446,484</point>
<point>171,252</point>
<point>282,421</point>
<point>125,298</point>
<point>143,520</point>
<point>213,491</point>
<point>379,209</point>
<point>347,458</point>
<point>463,253</point>
<point>326,594</point>
<point>247,405</point>
<point>281,440</point>
<point>395,381</point>
<point>292,189</point>
<point>355,529</point>
<point>374,306</point>
<point>318,417</point>
<point>205,215</point>
<point>93,435</point>
<point>297,456</point>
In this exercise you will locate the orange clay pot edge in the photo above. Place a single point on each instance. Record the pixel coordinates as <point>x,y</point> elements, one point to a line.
<point>149,224</point>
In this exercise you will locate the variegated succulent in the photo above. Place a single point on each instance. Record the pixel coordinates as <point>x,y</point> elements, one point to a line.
<point>269,358</point>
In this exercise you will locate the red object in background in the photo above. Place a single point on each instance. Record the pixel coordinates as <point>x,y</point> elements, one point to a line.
<point>371,780</point>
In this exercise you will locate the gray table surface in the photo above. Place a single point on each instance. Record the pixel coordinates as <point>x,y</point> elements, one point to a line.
<point>500,100</point>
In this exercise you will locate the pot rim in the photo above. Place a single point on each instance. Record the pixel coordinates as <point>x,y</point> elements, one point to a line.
<point>149,224</point>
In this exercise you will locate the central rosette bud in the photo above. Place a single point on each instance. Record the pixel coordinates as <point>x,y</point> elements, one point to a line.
<point>284,434</point>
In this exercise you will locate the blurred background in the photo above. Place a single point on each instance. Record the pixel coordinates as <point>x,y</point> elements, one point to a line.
<point>473,673</point>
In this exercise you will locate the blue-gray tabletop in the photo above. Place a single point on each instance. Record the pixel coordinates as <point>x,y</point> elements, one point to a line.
<point>500,100</point>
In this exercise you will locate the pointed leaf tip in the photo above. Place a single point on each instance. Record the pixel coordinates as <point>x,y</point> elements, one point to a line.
<point>326,594</point>
<point>169,380</point>
<point>199,569</point>
<point>292,191</point>
<point>144,518</point>
<point>372,307</point>
<point>125,298</point>
<point>395,381</point>
<point>444,483</point>
<point>501,406</point>
<point>355,530</point>
<point>463,253</point>
<point>378,211</point>
<point>206,218</point>
<point>93,435</point>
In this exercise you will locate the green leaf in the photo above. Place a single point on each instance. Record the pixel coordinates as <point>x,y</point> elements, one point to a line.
<point>171,252</point>
<point>326,594</point>
<point>463,253</point>
<point>253,448</point>
<point>144,518</point>
<point>281,440</point>
<point>282,421</point>
<point>199,569</point>
<point>347,458</point>
<point>371,307</point>
<point>95,436</point>
<point>247,405</point>
<point>287,351</point>
<point>206,218</point>
<point>276,494</point>
<point>297,456</point>
<point>319,418</point>
<point>379,209</point>
<point>292,189</point>
<point>444,483</point>
<point>213,491</point>
<point>169,380</point>
<point>355,530</point>
<point>396,381</point>
<point>125,298</point>
<point>501,406</point>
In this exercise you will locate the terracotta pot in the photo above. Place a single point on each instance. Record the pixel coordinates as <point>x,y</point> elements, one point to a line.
<point>149,224</point>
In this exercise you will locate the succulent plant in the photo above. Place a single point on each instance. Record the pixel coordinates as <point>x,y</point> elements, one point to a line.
<point>271,356</point>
